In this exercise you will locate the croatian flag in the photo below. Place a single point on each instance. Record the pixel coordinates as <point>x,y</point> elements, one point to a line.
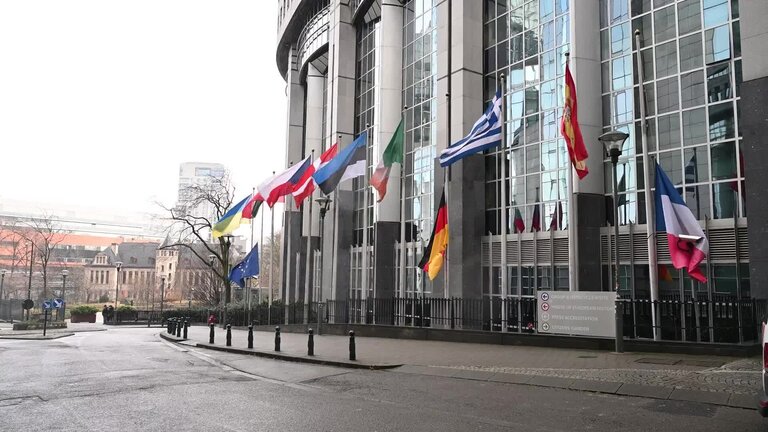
<point>687,244</point>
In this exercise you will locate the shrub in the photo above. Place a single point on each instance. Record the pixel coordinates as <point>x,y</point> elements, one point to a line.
<point>83,310</point>
<point>125,309</point>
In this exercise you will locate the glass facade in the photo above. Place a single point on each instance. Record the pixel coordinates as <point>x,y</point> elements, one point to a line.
<point>527,41</point>
<point>691,60</point>
<point>419,89</point>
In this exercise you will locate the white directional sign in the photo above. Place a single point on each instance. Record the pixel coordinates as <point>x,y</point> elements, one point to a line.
<point>58,303</point>
<point>577,313</point>
<point>46,304</point>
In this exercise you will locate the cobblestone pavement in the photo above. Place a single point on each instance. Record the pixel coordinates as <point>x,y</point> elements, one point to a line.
<point>740,376</point>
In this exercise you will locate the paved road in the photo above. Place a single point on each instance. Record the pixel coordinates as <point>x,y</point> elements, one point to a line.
<point>128,379</point>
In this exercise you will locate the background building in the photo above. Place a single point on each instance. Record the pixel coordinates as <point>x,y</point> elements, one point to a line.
<point>196,174</point>
<point>368,63</point>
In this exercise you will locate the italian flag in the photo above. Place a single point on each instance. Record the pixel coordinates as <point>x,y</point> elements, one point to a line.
<point>393,153</point>
<point>518,223</point>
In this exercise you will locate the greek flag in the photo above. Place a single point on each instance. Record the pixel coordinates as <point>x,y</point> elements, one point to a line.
<point>485,134</point>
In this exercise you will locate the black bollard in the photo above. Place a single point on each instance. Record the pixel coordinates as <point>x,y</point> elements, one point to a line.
<point>211,334</point>
<point>229,334</point>
<point>250,336</point>
<point>179,325</point>
<point>168,326</point>
<point>277,338</point>
<point>352,355</point>
<point>311,343</point>
<point>186,328</point>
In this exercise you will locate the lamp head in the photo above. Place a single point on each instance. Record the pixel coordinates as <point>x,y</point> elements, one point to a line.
<point>211,258</point>
<point>3,272</point>
<point>65,273</point>
<point>613,142</point>
<point>324,202</point>
<point>118,265</point>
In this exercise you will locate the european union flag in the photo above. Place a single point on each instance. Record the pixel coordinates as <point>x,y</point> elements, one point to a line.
<point>246,268</point>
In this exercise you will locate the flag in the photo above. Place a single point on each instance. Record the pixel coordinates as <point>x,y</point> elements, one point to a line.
<point>621,188</point>
<point>557,218</point>
<point>677,220</point>
<point>251,208</point>
<point>231,219</point>
<point>349,163</point>
<point>664,274</point>
<point>569,127</point>
<point>432,261</point>
<point>306,185</point>
<point>283,183</point>
<point>248,267</point>
<point>485,134</point>
<point>518,223</point>
<point>392,154</point>
<point>691,174</point>
<point>536,221</point>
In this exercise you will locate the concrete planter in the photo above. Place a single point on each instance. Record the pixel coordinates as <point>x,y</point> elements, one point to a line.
<point>81,318</point>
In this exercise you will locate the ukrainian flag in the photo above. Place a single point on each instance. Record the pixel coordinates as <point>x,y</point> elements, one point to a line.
<point>231,219</point>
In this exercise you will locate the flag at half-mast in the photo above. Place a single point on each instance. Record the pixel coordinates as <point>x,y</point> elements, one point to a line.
<point>231,220</point>
<point>392,154</point>
<point>282,183</point>
<point>348,164</point>
<point>569,127</point>
<point>306,184</point>
<point>485,134</point>
<point>688,246</point>
<point>434,254</point>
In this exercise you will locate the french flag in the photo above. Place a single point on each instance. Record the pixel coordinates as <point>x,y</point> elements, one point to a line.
<point>687,244</point>
<point>282,183</point>
<point>306,184</point>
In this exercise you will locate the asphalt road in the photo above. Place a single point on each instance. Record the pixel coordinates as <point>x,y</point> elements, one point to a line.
<point>130,380</point>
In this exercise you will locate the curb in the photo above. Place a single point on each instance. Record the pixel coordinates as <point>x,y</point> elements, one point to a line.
<point>731,400</point>
<point>284,357</point>
<point>35,337</point>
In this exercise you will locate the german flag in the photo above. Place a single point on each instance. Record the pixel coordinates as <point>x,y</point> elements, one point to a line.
<point>432,261</point>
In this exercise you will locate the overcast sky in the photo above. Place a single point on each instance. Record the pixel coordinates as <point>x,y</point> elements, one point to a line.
<point>101,100</point>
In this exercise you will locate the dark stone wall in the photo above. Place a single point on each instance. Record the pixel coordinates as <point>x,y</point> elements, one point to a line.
<point>591,217</point>
<point>386,236</point>
<point>754,124</point>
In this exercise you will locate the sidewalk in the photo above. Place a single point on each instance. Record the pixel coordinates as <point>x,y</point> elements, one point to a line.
<point>7,332</point>
<point>711,379</point>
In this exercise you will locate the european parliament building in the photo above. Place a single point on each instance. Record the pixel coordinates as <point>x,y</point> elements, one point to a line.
<point>357,65</point>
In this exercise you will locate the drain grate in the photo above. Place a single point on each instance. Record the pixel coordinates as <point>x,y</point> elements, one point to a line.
<point>587,356</point>
<point>658,361</point>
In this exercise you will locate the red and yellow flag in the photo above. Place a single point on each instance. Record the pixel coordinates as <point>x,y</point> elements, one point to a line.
<point>432,261</point>
<point>569,127</point>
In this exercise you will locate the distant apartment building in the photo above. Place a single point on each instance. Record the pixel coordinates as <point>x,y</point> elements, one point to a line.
<point>197,173</point>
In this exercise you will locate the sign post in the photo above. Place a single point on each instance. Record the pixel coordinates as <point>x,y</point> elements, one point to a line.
<point>46,307</point>
<point>580,313</point>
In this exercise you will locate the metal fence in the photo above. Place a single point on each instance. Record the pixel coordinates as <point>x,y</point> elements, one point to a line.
<point>11,310</point>
<point>723,319</point>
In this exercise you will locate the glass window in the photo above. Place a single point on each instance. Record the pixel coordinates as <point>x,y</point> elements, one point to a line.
<point>548,95</point>
<point>646,32</point>
<point>717,43</point>
<point>724,200</point>
<point>621,73</point>
<point>666,59</point>
<point>671,163</point>
<point>605,44</point>
<point>533,163</point>
<point>664,24</point>
<point>692,89</point>
<point>715,12</point>
<point>694,126</point>
<point>640,6</point>
<point>721,124</point>
<point>696,165</point>
<point>513,285</point>
<point>719,82</point>
<point>724,161</point>
<point>697,199</point>
<point>548,36</point>
<point>668,97</point>
<point>669,131</point>
<point>619,10</point>
<point>691,55</point>
<point>622,105</point>
<point>621,39</point>
<point>688,16</point>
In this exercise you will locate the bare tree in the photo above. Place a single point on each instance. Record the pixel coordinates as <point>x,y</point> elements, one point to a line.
<point>16,248</point>
<point>46,234</point>
<point>192,231</point>
<point>271,264</point>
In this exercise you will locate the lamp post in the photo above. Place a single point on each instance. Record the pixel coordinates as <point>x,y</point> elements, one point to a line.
<point>64,274</point>
<point>325,204</point>
<point>2,281</point>
<point>162,296</point>
<point>118,266</point>
<point>688,243</point>
<point>613,141</point>
<point>225,271</point>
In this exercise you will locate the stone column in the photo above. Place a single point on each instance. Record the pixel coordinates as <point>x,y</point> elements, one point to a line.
<point>466,193</point>
<point>754,93</point>
<point>388,114</point>
<point>585,68</point>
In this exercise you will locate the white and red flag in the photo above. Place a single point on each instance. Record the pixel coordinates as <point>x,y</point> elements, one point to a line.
<point>306,184</point>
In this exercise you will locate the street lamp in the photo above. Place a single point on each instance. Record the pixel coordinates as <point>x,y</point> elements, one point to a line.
<point>325,204</point>
<point>162,296</point>
<point>613,141</point>
<point>64,274</point>
<point>2,281</point>
<point>118,266</point>
<point>225,271</point>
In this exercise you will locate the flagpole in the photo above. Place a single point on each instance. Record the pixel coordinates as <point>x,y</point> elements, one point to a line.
<point>308,266</point>
<point>653,274</point>
<point>366,261</point>
<point>287,236</point>
<point>250,280</point>
<point>271,262</point>
<point>261,255</point>
<point>573,265</point>
<point>504,207</point>
<point>403,289</point>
